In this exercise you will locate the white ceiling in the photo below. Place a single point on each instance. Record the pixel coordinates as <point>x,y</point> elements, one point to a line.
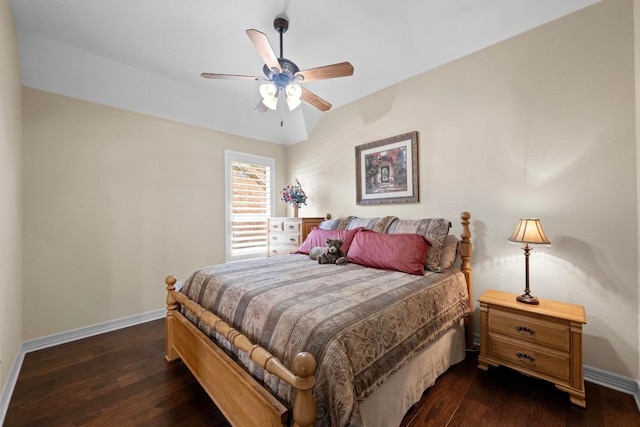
<point>147,55</point>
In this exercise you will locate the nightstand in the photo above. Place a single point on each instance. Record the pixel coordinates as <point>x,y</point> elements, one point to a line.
<point>286,234</point>
<point>543,341</point>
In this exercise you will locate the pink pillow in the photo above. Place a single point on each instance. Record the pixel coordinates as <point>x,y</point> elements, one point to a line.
<point>319,237</point>
<point>400,252</point>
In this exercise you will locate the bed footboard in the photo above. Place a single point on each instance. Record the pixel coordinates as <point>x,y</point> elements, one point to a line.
<point>242,399</point>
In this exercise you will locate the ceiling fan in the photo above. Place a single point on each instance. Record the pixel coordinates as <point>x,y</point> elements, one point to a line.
<point>284,75</point>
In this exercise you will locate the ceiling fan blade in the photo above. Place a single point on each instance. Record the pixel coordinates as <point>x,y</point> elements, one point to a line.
<point>261,42</point>
<point>313,99</point>
<point>260,108</point>
<point>342,69</point>
<point>230,76</point>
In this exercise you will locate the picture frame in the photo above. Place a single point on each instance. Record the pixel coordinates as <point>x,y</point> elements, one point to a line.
<point>387,170</point>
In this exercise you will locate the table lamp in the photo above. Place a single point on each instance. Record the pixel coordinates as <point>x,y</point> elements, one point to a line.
<point>528,231</point>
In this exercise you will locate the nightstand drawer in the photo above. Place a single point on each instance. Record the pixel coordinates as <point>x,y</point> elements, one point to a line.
<point>284,238</point>
<point>531,329</point>
<point>533,358</point>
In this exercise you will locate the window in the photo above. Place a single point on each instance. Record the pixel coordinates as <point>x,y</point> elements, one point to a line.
<point>249,196</point>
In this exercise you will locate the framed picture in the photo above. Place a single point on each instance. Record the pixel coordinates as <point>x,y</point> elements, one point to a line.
<point>387,170</point>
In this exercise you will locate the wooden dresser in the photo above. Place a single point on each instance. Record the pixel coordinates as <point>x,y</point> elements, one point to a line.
<point>286,234</point>
<point>543,341</point>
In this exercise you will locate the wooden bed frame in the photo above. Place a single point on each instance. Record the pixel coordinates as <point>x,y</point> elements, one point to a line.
<point>240,397</point>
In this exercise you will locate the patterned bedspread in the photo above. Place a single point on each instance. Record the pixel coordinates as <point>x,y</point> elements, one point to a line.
<point>361,324</point>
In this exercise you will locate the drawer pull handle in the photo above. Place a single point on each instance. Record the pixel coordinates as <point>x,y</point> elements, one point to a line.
<point>274,238</point>
<point>275,227</point>
<point>292,239</point>
<point>291,227</point>
<point>523,330</point>
<point>524,357</point>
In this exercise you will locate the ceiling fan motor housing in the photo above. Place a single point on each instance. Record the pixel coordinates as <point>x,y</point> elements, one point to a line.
<point>289,69</point>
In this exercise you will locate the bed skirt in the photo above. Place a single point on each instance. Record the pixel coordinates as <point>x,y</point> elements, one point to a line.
<point>388,404</point>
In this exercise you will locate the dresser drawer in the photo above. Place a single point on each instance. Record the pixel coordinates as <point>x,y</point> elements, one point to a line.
<point>531,329</point>
<point>532,358</point>
<point>276,225</point>
<point>275,250</point>
<point>291,226</point>
<point>284,238</point>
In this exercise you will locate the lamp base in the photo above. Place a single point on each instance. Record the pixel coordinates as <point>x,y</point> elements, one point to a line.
<point>528,299</point>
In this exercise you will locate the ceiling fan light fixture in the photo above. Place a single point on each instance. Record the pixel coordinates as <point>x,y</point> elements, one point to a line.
<point>269,93</point>
<point>294,94</point>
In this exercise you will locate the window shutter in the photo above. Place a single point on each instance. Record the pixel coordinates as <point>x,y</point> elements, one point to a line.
<point>251,208</point>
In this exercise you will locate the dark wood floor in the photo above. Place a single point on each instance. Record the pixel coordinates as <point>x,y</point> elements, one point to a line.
<point>121,379</point>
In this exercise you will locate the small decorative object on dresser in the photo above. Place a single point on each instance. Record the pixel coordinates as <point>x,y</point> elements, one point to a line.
<point>294,195</point>
<point>286,234</point>
<point>543,340</point>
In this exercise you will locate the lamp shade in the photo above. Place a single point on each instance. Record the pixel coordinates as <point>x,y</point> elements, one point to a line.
<point>269,93</point>
<point>293,93</point>
<point>529,231</point>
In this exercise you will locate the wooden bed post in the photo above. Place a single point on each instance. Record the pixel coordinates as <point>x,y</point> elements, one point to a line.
<point>304,408</point>
<point>466,249</point>
<point>172,306</point>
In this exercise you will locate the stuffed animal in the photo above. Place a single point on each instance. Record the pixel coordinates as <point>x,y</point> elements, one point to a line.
<point>315,252</point>
<point>332,253</point>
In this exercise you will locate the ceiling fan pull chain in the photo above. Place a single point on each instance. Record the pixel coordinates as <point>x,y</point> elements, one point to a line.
<point>281,97</point>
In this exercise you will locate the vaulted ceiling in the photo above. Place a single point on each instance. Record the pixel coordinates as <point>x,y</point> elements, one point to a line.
<point>147,55</point>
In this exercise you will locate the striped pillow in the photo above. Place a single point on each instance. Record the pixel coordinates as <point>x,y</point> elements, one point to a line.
<point>335,224</point>
<point>379,225</point>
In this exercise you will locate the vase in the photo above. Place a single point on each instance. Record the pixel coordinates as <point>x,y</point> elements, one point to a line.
<point>295,210</point>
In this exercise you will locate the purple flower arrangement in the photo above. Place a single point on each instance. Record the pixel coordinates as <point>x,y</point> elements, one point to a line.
<point>294,194</point>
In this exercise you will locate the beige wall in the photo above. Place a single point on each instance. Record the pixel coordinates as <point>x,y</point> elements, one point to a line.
<point>10,195</point>
<point>541,125</point>
<point>114,202</point>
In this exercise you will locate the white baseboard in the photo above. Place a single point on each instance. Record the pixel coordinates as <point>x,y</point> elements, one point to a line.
<point>10,384</point>
<point>613,381</point>
<point>89,331</point>
<point>65,337</point>
<point>604,378</point>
